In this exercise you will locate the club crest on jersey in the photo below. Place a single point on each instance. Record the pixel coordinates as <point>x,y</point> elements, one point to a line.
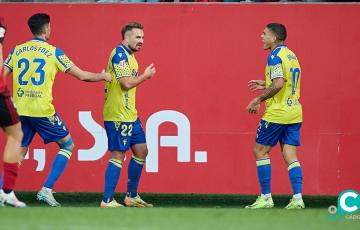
<point>124,141</point>
<point>117,125</point>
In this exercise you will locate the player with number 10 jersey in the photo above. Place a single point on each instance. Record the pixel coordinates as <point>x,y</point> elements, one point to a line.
<point>282,118</point>
<point>284,107</point>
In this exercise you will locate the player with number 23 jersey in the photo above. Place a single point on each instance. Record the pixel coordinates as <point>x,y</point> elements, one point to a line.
<point>35,63</point>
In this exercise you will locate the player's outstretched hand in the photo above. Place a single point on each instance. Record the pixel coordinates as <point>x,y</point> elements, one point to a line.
<point>106,76</point>
<point>253,106</point>
<point>150,71</point>
<point>256,85</point>
<point>2,29</point>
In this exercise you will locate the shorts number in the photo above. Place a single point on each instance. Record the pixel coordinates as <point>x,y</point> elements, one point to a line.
<point>24,64</point>
<point>126,130</point>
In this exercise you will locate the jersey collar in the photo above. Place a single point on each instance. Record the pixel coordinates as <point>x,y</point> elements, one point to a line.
<point>277,47</point>
<point>125,48</point>
<point>38,39</point>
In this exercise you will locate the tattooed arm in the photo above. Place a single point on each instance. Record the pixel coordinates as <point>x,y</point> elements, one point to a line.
<point>272,90</point>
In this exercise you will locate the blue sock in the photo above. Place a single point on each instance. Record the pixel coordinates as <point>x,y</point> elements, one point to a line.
<point>58,167</point>
<point>112,175</point>
<point>296,177</point>
<point>134,172</point>
<point>264,174</point>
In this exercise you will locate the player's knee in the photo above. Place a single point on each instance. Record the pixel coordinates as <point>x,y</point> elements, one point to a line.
<point>260,153</point>
<point>256,151</point>
<point>141,154</point>
<point>71,147</point>
<point>145,153</point>
<point>118,155</point>
<point>68,144</point>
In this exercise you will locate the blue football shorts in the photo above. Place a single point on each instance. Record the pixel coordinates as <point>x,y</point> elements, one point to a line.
<point>123,135</point>
<point>269,133</point>
<point>50,129</point>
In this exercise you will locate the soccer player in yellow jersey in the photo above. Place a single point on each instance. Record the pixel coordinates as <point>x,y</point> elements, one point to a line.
<point>34,65</point>
<point>281,121</point>
<point>122,124</point>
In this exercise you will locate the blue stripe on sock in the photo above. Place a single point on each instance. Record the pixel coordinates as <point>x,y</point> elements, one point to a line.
<point>66,144</point>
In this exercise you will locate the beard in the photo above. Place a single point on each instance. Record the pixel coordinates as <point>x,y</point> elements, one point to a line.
<point>134,49</point>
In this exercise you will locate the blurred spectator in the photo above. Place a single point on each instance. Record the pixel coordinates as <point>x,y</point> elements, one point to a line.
<point>208,1</point>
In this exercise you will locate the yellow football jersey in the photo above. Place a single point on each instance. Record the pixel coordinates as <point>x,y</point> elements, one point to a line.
<point>119,103</point>
<point>34,65</point>
<point>284,107</point>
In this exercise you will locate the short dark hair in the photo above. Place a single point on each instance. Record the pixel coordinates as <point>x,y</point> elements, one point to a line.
<point>279,30</point>
<point>37,22</point>
<point>129,27</point>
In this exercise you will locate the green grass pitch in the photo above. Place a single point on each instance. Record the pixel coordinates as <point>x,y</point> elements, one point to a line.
<point>86,218</point>
<point>187,211</point>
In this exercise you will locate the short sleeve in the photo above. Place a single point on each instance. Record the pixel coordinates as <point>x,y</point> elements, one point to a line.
<point>275,67</point>
<point>62,61</point>
<point>9,60</point>
<point>120,65</point>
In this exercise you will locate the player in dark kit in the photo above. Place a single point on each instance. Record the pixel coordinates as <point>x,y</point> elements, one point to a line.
<point>9,122</point>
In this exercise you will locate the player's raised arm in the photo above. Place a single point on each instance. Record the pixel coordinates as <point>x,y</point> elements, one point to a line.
<point>83,75</point>
<point>131,82</point>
